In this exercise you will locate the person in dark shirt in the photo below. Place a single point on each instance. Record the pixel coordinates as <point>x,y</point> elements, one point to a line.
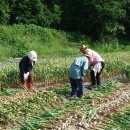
<point>26,65</point>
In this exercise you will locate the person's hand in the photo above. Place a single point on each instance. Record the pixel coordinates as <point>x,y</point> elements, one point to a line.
<point>26,76</point>
<point>27,73</point>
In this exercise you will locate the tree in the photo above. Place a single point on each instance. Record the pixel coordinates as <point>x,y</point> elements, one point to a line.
<point>126,20</point>
<point>97,18</point>
<point>4,12</point>
<point>34,12</point>
<point>105,19</point>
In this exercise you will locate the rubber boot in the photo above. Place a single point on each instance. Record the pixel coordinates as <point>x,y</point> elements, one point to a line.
<point>30,86</point>
<point>30,82</point>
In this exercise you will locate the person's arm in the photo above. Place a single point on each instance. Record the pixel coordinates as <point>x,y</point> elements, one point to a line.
<point>22,66</point>
<point>84,68</point>
<point>30,67</point>
<point>87,51</point>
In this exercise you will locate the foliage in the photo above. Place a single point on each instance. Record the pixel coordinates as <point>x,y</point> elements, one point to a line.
<point>33,12</point>
<point>17,40</point>
<point>98,18</point>
<point>4,12</point>
<point>120,120</point>
<point>8,92</point>
<point>126,71</point>
<point>125,21</point>
<point>11,39</point>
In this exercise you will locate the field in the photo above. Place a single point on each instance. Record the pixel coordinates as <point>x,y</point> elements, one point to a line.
<point>49,106</point>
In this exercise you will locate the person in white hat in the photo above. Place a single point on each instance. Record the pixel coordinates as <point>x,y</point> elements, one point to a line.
<point>26,65</point>
<point>76,74</point>
<point>97,63</point>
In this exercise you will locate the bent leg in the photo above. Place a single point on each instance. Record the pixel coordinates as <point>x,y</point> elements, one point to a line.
<point>93,78</point>
<point>29,82</point>
<point>73,87</point>
<point>80,87</point>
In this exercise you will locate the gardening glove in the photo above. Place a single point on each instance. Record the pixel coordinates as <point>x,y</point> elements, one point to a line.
<point>26,76</point>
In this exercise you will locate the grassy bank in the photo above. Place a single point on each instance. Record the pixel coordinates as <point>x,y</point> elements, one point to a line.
<point>17,40</point>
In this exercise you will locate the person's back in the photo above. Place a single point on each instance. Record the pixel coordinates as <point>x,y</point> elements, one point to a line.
<point>78,67</point>
<point>94,55</point>
<point>25,65</point>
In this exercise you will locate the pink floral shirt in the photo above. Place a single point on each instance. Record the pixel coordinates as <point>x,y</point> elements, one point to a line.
<point>95,57</point>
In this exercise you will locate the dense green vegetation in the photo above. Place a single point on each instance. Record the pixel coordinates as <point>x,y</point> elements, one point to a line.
<point>59,28</point>
<point>17,40</point>
<point>121,120</point>
<point>101,20</point>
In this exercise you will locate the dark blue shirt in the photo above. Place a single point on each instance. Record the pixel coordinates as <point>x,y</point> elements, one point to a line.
<point>25,65</point>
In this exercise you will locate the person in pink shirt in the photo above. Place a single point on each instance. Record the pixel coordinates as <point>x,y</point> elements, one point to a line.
<point>97,63</point>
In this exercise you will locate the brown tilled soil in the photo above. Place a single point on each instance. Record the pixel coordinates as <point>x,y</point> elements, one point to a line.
<point>21,95</point>
<point>111,104</point>
<point>24,94</point>
<point>74,121</point>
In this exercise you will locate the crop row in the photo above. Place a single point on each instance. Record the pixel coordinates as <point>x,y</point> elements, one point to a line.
<point>55,69</point>
<point>37,112</point>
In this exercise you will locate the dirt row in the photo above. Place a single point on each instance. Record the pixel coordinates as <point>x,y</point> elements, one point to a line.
<point>112,103</point>
<point>24,94</point>
<point>75,120</point>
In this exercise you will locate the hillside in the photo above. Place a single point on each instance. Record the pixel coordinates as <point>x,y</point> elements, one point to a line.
<point>17,40</point>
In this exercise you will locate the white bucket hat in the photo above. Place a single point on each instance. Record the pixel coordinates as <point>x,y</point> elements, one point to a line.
<point>32,56</point>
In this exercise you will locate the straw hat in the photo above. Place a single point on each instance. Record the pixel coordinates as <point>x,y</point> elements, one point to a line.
<point>83,47</point>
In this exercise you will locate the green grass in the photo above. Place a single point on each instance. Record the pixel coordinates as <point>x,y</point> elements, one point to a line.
<point>17,40</point>
<point>4,51</point>
<point>8,92</point>
<point>47,42</point>
<point>119,121</point>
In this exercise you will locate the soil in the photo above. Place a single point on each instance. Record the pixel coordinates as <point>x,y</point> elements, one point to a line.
<point>111,104</point>
<point>24,94</point>
<point>74,121</point>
